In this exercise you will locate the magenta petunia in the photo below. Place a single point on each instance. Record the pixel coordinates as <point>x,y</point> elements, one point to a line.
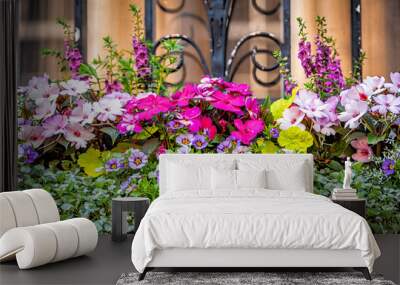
<point>248,130</point>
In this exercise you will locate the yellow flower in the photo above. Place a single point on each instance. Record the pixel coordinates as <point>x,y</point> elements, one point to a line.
<point>295,139</point>
<point>266,146</point>
<point>279,106</point>
<point>91,162</point>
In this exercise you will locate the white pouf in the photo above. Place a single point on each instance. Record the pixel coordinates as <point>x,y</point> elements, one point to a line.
<point>31,232</point>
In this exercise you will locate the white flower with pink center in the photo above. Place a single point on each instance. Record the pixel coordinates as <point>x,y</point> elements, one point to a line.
<point>74,87</point>
<point>122,97</point>
<point>78,135</point>
<point>386,103</point>
<point>394,87</point>
<point>375,84</point>
<point>310,104</point>
<point>108,109</point>
<point>54,125</point>
<point>32,135</point>
<point>354,110</point>
<point>83,113</point>
<point>291,117</point>
<point>45,109</point>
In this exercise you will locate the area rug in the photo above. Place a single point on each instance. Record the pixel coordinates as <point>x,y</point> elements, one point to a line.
<point>253,278</point>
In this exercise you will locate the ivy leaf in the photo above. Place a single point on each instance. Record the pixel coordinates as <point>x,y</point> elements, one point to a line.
<point>111,132</point>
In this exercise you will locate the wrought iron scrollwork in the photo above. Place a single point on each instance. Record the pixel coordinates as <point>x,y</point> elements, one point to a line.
<point>169,9</point>
<point>231,69</point>
<point>264,11</point>
<point>219,14</point>
<point>181,55</point>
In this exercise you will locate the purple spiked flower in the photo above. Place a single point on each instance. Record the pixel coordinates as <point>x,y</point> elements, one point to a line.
<point>274,132</point>
<point>141,58</point>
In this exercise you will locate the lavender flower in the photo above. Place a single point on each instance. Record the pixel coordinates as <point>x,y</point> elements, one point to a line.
<point>184,150</point>
<point>127,183</point>
<point>388,166</point>
<point>114,164</point>
<point>224,146</point>
<point>175,125</point>
<point>137,159</point>
<point>141,58</point>
<point>199,142</point>
<point>185,140</point>
<point>27,152</point>
<point>274,132</point>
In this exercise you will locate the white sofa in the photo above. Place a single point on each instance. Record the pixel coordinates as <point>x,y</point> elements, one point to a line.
<point>31,231</point>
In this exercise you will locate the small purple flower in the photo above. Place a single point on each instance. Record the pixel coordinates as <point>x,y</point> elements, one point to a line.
<point>185,140</point>
<point>183,150</point>
<point>113,87</point>
<point>27,152</point>
<point>199,142</point>
<point>224,146</point>
<point>137,159</point>
<point>114,164</point>
<point>74,58</point>
<point>127,183</point>
<point>388,166</point>
<point>241,149</point>
<point>175,125</point>
<point>274,132</point>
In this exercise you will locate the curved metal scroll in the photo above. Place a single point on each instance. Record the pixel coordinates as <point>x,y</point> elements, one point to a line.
<point>171,10</point>
<point>189,41</point>
<point>231,69</point>
<point>263,11</point>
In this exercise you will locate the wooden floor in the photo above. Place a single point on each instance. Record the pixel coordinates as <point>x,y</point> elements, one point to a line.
<point>110,259</point>
<point>103,266</point>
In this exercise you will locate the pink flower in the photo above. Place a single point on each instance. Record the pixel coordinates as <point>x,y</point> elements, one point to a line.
<point>360,92</point>
<point>78,135</point>
<point>386,103</point>
<point>183,97</point>
<point>363,150</point>
<point>247,131</point>
<point>394,87</point>
<point>191,113</point>
<point>54,125</point>
<point>152,105</point>
<point>32,135</point>
<point>238,89</point>
<point>228,102</point>
<point>354,110</point>
<point>205,125</point>
<point>252,107</point>
<point>291,117</point>
<point>128,124</point>
<point>324,126</point>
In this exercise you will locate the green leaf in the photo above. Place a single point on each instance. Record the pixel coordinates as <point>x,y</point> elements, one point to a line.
<point>87,69</point>
<point>111,132</point>
<point>335,165</point>
<point>373,139</point>
<point>145,134</point>
<point>151,145</point>
<point>354,136</point>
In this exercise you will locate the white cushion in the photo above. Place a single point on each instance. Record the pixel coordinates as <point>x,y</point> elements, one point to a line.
<point>182,177</point>
<point>283,174</point>
<point>223,179</point>
<point>251,178</point>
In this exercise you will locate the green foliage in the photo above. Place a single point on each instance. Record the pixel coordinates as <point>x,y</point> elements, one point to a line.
<point>382,193</point>
<point>78,195</point>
